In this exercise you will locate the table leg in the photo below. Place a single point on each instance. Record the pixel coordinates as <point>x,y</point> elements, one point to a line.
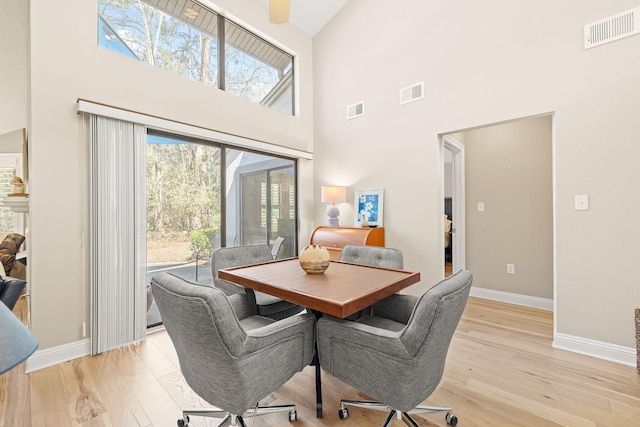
<point>318,387</point>
<point>316,362</point>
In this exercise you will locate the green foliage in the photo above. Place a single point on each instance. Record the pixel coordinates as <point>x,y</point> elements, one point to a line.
<point>202,240</point>
<point>183,187</point>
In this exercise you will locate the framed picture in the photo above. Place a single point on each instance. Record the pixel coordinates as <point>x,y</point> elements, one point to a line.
<point>368,207</point>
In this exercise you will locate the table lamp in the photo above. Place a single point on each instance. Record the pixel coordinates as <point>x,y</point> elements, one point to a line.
<point>334,194</point>
<point>16,341</point>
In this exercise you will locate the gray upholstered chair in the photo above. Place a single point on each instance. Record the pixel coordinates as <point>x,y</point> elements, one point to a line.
<point>373,255</point>
<point>277,246</point>
<point>397,354</point>
<point>11,290</point>
<point>236,256</point>
<point>230,356</point>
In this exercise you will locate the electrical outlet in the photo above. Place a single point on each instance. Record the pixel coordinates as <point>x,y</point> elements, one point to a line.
<point>511,269</point>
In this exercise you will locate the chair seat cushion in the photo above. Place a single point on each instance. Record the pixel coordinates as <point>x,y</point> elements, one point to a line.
<point>265,299</point>
<point>255,322</point>
<point>382,323</point>
<point>279,310</point>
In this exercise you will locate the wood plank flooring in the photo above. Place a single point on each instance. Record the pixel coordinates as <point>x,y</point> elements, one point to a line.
<point>501,371</point>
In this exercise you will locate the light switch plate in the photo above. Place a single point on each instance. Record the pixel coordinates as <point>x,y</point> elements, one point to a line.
<point>480,206</point>
<point>582,203</point>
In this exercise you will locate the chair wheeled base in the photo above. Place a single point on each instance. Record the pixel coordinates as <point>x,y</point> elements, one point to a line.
<point>237,420</point>
<point>343,412</point>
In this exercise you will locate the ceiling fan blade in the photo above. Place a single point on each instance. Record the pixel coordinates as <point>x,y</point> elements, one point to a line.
<point>278,11</point>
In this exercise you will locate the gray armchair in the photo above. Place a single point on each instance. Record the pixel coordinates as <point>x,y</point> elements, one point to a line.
<point>373,255</point>
<point>228,355</point>
<point>397,354</point>
<point>277,246</point>
<point>236,256</point>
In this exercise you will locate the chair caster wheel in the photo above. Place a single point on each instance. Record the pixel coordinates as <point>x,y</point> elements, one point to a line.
<point>451,420</point>
<point>183,422</point>
<point>343,413</point>
<point>293,415</point>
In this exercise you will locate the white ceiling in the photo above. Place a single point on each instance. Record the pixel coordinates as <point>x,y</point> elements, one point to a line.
<point>311,15</point>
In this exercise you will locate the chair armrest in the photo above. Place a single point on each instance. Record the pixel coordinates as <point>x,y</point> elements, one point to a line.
<point>353,334</point>
<point>227,287</point>
<point>281,331</point>
<point>397,307</point>
<point>243,305</point>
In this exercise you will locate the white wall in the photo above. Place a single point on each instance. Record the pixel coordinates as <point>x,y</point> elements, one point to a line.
<point>66,64</point>
<point>13,65</point>
<point>482,63</point>
<point>11,142</point>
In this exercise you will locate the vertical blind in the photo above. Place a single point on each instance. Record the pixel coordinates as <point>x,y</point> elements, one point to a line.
<point>118,238</point>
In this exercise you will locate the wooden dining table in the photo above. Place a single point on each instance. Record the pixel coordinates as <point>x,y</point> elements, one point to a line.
<point>342,290</point>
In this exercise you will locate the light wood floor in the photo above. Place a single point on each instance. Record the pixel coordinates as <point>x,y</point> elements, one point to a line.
<point>448,269</point>
<point>501,371</point>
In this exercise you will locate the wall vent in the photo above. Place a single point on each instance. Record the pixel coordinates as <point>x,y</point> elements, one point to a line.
<point>613,28</point>
<point>355,110</point>
<point>412,93</point>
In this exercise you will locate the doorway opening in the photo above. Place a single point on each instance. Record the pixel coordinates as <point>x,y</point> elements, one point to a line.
<point>454,210</point>
<point>505,234</point>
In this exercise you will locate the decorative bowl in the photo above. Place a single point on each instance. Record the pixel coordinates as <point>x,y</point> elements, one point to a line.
<point>314,259</point>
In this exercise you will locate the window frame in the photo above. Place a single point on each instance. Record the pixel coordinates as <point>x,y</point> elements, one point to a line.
<point>286,75</point>
<point>17,162</point>
<point>224,147</point>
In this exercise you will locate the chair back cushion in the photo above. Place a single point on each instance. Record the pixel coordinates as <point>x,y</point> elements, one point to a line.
<point>237,256</point>
<point>432,324</point>
<point>200,321</point>
<point>373,255</point>
<point>437,312</point>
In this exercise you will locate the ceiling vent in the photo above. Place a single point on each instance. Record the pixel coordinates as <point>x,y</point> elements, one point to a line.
<point>412,93</point>
<point>355,110</point>
<point>613,28</point>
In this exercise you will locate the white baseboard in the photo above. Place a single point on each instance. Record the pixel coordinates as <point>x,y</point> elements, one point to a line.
<point>599,349</point>
<point>54,355</point>
<point>511,298</point>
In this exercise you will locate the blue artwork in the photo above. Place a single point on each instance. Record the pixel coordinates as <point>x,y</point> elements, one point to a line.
<point>368,207</point>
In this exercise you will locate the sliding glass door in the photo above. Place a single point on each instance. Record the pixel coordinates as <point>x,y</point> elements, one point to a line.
<point>203,195</point>
<point>260,201</point>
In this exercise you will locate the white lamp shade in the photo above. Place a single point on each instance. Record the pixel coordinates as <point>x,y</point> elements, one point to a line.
<point>278,11</point>
<point>334,194</point>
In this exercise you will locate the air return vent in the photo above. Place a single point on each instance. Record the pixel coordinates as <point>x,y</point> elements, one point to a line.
<point>412,93</point>
<point>613,28</point>
<point>355,110</point>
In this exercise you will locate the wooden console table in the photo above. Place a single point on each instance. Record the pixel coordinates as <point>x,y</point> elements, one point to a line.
<point>336,238</point>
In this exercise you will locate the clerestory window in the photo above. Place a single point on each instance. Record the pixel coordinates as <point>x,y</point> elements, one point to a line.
<point>192,40</point>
